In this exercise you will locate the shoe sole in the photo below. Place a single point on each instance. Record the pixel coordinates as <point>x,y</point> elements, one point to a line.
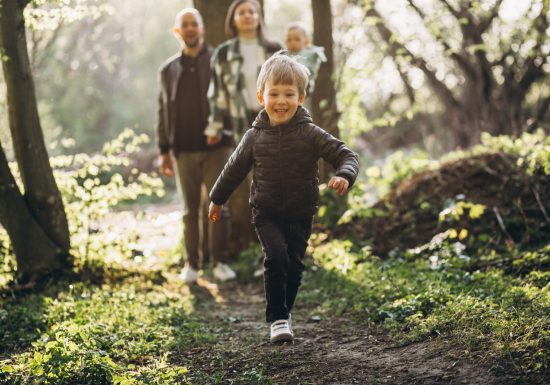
<point>282,337</point>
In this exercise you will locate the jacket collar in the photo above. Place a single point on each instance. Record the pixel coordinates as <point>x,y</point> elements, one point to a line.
<point>300,117</point>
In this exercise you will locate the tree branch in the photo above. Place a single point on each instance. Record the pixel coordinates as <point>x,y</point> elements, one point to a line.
<point>23,3</point>
<point>533,70</point>
<point>408,87</point>
<point>486,23</point>
<point>394,47</point>
<point>462,61</point>
<point>451,9</point>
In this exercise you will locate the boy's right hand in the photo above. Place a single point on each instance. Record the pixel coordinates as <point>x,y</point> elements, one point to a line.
<point>213,140</point>
<point>214,212</point>
<point>166,167</point>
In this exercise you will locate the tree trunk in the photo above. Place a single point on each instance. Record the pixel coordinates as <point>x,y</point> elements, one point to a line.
<point>213,14</point>
<point>324,109</point>
<point>242,232</point>
<point>35,252</point>
<point>42,197</point>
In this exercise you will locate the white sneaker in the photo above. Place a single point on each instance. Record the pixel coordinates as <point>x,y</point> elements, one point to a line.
<point>188,274</point>
<point>259,272</point>
<point>280,331</point>
<point>222,272</point>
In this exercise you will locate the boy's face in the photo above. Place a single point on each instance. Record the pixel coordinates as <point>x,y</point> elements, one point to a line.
<point>295,40</point>
<point>280,102</point>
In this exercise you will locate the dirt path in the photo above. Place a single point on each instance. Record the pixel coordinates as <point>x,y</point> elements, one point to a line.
<point>330,351</point>
<point>334,351</point>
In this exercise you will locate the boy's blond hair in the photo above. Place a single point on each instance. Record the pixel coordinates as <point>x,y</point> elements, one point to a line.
<point>283,69</point>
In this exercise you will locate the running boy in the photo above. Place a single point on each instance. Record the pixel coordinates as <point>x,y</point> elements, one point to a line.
<point>283,147</point>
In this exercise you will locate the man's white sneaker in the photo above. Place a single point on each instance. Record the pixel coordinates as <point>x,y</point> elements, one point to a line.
<point>280,331</point>
<point>222,272</point>
<point>188,274</point>
<point>259,272</point>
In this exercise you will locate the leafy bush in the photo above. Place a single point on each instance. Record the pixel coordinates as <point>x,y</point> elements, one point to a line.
<point>91,187</point>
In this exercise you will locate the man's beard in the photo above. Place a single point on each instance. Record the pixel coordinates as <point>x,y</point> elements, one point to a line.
<point>192,43</point>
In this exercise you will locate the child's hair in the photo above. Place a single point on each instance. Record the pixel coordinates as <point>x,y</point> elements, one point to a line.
<point>283,69</point>
<point>299,26</point>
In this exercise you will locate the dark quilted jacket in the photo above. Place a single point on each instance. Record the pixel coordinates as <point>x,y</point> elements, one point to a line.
<point>284,158</point>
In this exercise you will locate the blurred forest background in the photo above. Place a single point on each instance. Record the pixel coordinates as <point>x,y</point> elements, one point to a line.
<point>95,66</point>
<point>445,236</point>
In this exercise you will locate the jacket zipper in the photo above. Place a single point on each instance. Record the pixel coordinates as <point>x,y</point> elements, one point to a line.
<point>281,167</point>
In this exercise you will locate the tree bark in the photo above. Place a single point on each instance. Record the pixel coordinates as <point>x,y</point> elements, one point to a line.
<point>213,14</point>
<point>41,196</point>
<point>324,109</point>
<point>35,252</point>
<point>242,231</point>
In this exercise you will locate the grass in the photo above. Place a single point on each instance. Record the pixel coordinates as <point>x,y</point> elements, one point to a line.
<point>504,318</point>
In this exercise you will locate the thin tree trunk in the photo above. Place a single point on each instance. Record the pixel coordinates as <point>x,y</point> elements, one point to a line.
<point>41,196</point>
<point>324,109</point>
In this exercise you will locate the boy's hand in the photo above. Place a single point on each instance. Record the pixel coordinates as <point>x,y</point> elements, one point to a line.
<point>339,184</point>
<point>166,167</point>
<point>214,212</point>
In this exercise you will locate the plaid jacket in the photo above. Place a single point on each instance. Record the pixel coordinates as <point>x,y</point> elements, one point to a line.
<point>225,93</point>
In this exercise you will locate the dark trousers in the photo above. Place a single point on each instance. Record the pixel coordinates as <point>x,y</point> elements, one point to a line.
<point>284,244</point>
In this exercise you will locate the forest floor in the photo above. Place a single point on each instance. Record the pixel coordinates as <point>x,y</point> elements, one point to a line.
<point>327,349</point>
<point>330,351</point>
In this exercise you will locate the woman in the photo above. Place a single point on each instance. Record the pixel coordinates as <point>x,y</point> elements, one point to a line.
<point>236,64</point>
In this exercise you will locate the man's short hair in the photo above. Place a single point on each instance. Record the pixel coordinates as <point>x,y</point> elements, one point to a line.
<point>185,11</point>
<point>283,69</point>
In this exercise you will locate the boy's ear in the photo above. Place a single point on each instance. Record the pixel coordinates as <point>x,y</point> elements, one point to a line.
<point>260,96</point>
<point>301,98</point>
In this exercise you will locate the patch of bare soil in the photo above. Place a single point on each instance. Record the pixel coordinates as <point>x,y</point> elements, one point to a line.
<point>331,351</point>
<point>516,211</point>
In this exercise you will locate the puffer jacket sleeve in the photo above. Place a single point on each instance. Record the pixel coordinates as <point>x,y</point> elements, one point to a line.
<point>235,171</point>
<point>334,151</point>
<point>217,97</point>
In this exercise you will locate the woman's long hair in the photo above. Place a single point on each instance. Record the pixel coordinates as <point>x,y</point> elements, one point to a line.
<point>231,29</point>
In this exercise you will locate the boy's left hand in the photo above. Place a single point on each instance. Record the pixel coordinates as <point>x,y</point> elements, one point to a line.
<point>339,184</point>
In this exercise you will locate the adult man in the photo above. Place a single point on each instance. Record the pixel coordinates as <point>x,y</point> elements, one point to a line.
<point>182,116</point>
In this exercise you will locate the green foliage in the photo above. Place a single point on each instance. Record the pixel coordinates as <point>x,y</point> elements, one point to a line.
<point>504,317</point>
<point>100,335</point>
<point>91,187</point>
<point>248,262</point>
<point>398,166</point>
<point>333,206</point>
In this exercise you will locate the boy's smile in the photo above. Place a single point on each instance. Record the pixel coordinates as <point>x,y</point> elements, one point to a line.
<point>280,102</point>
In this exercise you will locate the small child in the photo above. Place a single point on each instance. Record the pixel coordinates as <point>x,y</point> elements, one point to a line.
<point>298,46</point>
<point>282,148</point>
